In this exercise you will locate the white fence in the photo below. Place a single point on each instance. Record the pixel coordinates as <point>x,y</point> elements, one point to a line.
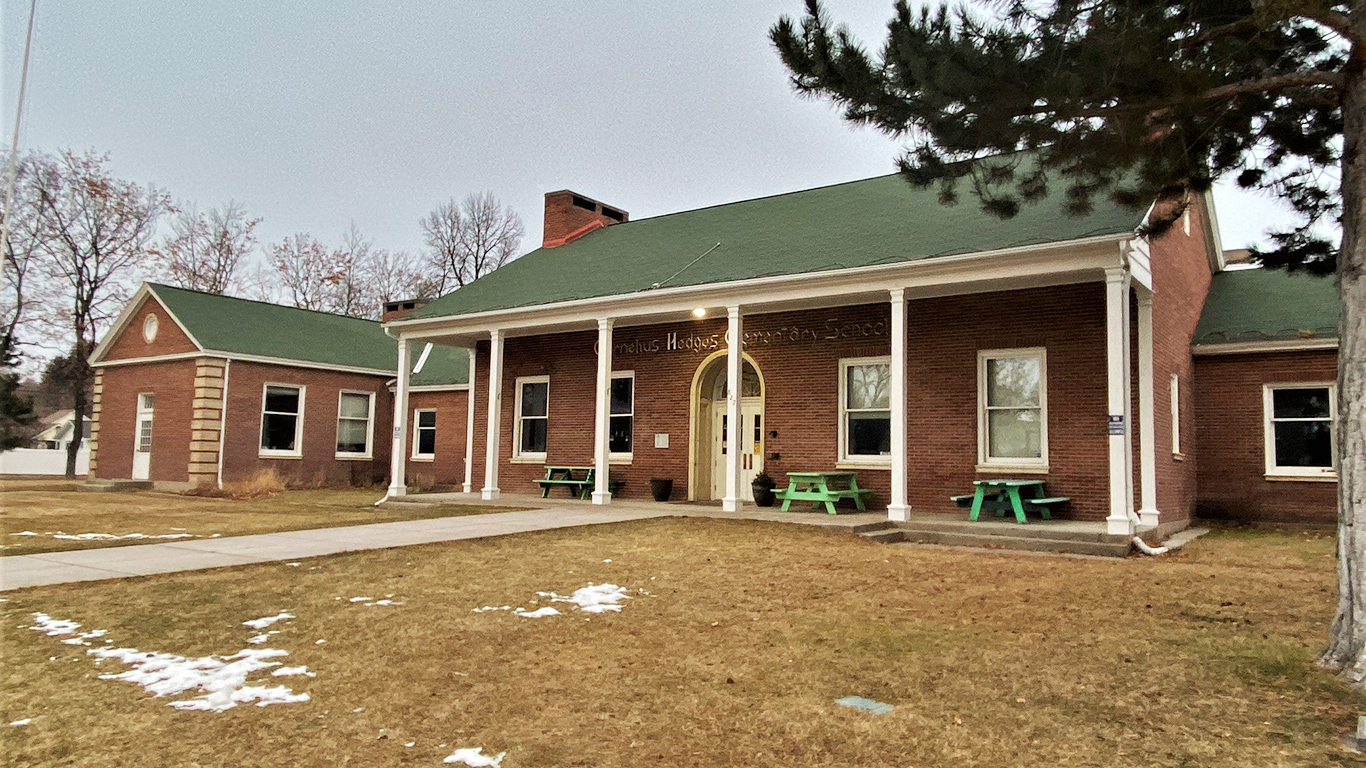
<point>41,461</point>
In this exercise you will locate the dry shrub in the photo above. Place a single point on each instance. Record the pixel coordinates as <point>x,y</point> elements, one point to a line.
<point>263,484</point>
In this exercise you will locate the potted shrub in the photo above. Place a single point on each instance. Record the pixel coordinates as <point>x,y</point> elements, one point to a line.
<point>763,490</point>
<point>661,488</point>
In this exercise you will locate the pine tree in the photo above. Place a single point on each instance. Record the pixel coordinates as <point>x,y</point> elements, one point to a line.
<point>1139,100</point>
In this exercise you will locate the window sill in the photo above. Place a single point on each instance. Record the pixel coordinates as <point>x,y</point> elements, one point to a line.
<point>274,455</point>
<point>863,464</point>
<point>1178,457</point>
<point>426,458</point>
<point>527,459</point>
<point>1028,469</point>
<point>355,457</point>
<point>1327,477</point>
<point>621,459</point>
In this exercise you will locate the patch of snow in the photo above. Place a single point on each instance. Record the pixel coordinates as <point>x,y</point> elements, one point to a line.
<point>294,564</point>
<point>287,671</point>
<point>493,608</point>
<point>475,758</point>
<point>221,680</point>
<point>386,602</point>
<point>115,537</point>
<point>594,598</point>
<point>25,533</point>
<point>266,621</point>
<point>360,599</point>
<point>319,642</point>
<point>254,639</point>
<point>25,721</point>
<point>538,613</point>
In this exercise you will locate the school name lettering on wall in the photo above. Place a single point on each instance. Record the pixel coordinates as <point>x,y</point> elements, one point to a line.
<point>832,330</point>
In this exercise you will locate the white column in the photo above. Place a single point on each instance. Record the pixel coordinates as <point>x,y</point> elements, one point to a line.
<point>398,457</point>
<point>468,485</point>
<point>898,508</point>
<point>1147,430</point>
<point>1117,400</point>
<point>490,490</point>
<point>602,493</point>
<point>735,361</point>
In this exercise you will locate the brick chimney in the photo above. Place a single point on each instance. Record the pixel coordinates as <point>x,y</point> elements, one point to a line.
<point>394,310</point>
<point>569,216</point>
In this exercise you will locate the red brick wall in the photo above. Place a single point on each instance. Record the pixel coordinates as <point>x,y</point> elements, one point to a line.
<point>801,395</point>
<point>246,382</point>
<point>1181,279</point>
<point>448,465</point>
<point>1230,433</point>
<point>169,340</point>
<point>172,382</point>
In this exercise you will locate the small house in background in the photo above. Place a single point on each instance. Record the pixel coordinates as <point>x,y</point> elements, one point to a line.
<point>196,389</point>
<point>58,428</point>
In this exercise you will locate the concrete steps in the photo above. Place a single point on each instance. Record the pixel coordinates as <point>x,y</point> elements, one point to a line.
<point>1041,537</point>
<point>111,486</point>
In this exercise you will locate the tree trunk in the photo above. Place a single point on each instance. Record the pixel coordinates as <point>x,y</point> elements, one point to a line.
<point>78,412</point>
<point>1347,641</point>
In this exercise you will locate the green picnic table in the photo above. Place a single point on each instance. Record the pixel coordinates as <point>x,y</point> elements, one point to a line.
<point>1018,496</point>
<point>579,481</point>
<point>822,488</point>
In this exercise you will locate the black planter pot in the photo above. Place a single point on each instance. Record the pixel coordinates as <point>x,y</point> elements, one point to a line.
<point>661,489</point>
<point>763,494</point>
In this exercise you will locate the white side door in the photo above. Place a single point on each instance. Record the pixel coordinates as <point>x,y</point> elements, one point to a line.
<point>142,439</point>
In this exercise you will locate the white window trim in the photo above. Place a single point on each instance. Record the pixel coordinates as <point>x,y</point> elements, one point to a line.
<point>298,452</point>
<point>1176,415</point>
<point>517,453</point>
<point>987,463</point>
<point>845,459</point>
<point>417,431</point>
<point>142,412</point>
<point>623,457</point>
<point>1311,474</point>
<point>369,452</point>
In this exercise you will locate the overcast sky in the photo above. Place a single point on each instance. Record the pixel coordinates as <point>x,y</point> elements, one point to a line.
<point>318,114</point>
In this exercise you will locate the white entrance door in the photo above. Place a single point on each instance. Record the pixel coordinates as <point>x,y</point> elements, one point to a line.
<point>751,446</point>
<point>142,447</point>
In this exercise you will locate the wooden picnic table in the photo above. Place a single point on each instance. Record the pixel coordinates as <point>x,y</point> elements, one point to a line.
<point>823,488</point>
<point>579,481</point>
<point>1018,496</point>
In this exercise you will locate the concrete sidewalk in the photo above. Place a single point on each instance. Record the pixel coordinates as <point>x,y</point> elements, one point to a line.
<point>19,571</point>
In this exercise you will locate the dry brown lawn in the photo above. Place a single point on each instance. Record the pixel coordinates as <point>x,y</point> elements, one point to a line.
<point>50,507</point>
<point>734,658</point>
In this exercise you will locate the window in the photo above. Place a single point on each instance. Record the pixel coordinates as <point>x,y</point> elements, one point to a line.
<point>1012,415</point>
<point>866,409</point>
<point>1299,429</point>
<point>424,434</point>
<point>146,407</point>
<point>1176,415</point>
<point>533,417</point>
<point>149,328</point>
<point>354,412</point>
<point>282,410</point>
<point>621,414</point>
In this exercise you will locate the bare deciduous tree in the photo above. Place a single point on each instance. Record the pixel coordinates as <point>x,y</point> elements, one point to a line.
<point>306,272</point>
<point>22,248</point>
<point>204,251</point>
<point>97,229</point>
<point>470,239</point>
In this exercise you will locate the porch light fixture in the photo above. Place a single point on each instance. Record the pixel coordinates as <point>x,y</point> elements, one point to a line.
<point>699,313</point>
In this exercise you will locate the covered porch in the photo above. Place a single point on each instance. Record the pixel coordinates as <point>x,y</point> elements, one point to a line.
<point>734,384</point>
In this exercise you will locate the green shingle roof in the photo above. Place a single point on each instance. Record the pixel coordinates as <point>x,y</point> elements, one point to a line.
<point>244,327</point>
<point>1268,305</point>
<point>445,365</point>
<point>860,223</point>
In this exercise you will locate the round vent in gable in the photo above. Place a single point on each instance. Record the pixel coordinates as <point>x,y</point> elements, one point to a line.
<point>149,328</point>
